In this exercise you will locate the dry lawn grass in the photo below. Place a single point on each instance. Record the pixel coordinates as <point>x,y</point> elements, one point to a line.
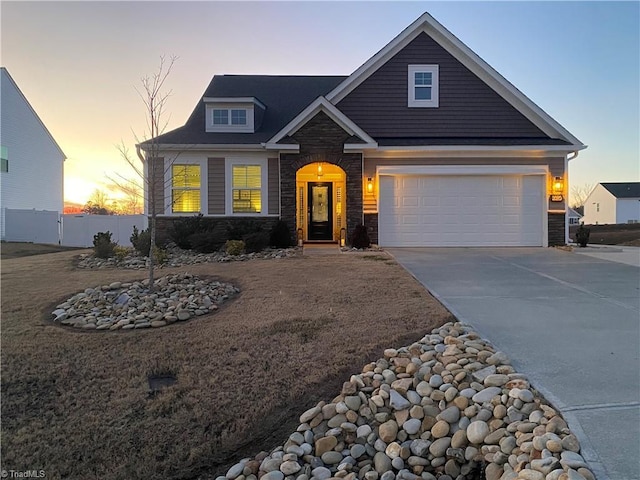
<point>77,404</point>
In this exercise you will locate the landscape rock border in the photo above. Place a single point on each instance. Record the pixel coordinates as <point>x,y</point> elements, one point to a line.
<point>449,407</point>
<point>177,257</point>
<point>131,306</point>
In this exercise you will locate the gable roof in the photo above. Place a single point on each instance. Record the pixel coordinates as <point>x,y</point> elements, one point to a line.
<point>427,24</point>
<point>284,98</point>
<point>6,76</point>
<point>623,189</point>
<point>321,104</point>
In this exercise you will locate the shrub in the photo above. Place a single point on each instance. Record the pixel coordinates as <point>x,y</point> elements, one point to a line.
<point>103,247</point>
<point>121,252</point>
<point>360,237</point>
<point>256,242</point>
<point>182,229</point>
<point>204,242</point>
<point>160,255</point>
<point>141,241</point>
<point>238,229</point>
<point>280,236</point>
<point>582,235</point>
<point>234,247</point>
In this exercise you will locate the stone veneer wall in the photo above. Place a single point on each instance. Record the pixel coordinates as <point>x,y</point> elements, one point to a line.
<point>321,140</point>
<point>371,222</point>
<point>556,223</point>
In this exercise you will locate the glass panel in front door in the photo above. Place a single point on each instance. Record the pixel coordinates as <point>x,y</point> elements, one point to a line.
<point>320,204</point>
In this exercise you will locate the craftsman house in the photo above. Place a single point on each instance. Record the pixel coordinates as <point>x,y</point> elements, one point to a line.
<point>425,144</point>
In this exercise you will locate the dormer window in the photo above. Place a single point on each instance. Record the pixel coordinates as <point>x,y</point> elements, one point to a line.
<point>229,114</point>
<point>233,116</point>
<point>423,88</point>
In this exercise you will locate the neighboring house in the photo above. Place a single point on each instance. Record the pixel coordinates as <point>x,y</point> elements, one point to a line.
<point>425,144</point>
<point>31,173</point>
<point>613,202</point>
<point>573,216</point>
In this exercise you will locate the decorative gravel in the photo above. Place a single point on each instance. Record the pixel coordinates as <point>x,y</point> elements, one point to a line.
<point>128,306</point>
<point>177,257</point>
<point>448,407</point>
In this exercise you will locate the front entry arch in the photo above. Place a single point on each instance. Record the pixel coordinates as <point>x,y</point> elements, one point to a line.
<point>320,201</point>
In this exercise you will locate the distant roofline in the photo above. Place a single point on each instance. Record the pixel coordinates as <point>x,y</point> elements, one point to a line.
<point>4,70</point>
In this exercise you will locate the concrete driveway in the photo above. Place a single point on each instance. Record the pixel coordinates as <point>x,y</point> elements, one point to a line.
<point>571,322</point>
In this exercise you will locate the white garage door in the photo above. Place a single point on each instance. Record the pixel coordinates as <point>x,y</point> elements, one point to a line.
<point>471,210</point>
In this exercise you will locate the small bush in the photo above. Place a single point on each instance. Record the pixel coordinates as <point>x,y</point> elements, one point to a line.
<point>121,252</point>
<point>204,242</point>
<point>234,247</point>
<point>280,236</point>
<point>160,255</point>
<point>238,229</point>
<point>256,242</point>
<point>582,236</point>
<point>360,237</point>
<point>103,247</point>
<point>182,229</point>
<point>141,241</point>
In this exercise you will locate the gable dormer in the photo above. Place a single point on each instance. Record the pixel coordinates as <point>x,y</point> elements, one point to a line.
<point>233,114</point>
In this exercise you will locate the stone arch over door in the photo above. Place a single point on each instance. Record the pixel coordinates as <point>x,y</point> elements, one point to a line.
<point>349,163</point>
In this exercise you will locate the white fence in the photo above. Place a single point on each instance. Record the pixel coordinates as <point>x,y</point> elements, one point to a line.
<point>78,230</point>
<point>42,226</point>
<point>36,226</point>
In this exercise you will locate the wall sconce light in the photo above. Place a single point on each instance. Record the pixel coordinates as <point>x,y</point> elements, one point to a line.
<point>557,189</point>
<point>369,185</point>
<point>558,185</point>
<point>343,237</point>
<point>300,237</point>
<point>320,172</point>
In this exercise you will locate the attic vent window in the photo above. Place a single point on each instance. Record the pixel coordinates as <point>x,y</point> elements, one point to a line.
<point>423,83</point>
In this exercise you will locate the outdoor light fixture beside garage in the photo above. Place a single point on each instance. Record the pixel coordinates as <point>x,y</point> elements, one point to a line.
<point>557,189</point>
<point>320,172</point>
<point>369,185</point>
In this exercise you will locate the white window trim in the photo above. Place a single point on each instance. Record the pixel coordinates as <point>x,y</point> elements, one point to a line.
<point>229,127</point>
<point>168,189</point>
<point>264,185</point>
<point>435,88</point>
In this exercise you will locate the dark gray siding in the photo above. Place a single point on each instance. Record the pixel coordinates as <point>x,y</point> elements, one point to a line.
<point>274,186</point>
<point>468,107</point>
<point>216,184</point>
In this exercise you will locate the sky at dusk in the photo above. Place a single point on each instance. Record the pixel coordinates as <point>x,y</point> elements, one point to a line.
<point>78,64</point>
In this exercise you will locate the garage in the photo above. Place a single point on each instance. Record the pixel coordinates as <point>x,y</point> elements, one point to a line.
<point>462,210</point>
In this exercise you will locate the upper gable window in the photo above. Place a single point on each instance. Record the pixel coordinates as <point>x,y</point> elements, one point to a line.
<point>423,82</point>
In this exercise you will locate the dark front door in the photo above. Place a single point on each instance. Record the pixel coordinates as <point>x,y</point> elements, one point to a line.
<point>320,203</point>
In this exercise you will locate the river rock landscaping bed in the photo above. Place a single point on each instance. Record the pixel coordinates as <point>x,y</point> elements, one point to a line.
<point>448,407</point>
<point>177,257</point>
<point>128,306</point>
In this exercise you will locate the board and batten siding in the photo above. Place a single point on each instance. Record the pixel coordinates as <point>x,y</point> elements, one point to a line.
<point>216,186</point>
<point>274,186</point>
<point>468,107</point>
<point>35,176</point>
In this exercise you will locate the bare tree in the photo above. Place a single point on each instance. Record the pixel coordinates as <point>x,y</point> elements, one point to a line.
<point>148,166</point>
<point>130,195</point>
<point>98,203</point>
<point>579,194</point>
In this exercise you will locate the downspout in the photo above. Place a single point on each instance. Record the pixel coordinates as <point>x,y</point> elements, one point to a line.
<point>566,209</point>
